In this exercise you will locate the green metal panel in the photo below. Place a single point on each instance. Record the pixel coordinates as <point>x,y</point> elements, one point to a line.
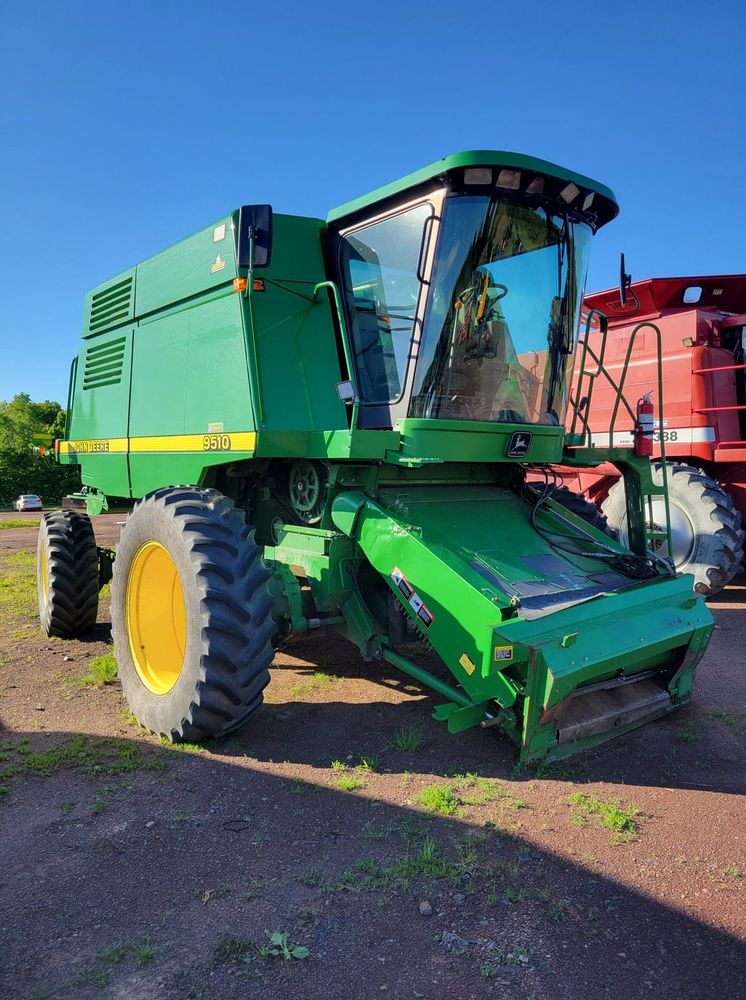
<point>110,304</point>
<point>196,264</point>
<point>296,338</point>
<point>100,407</point>
<point>472,441</point>
<point>485,157</point>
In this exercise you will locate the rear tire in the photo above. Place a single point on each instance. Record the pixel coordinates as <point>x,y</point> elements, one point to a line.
<point>706,527</point>
<point>67,574</point>
<point>191,615</point>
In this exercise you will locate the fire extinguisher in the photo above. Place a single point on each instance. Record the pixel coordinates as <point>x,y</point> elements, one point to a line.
<point>644,426</point>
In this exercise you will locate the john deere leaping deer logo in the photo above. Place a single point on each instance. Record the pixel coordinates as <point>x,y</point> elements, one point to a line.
<point>520,442</point>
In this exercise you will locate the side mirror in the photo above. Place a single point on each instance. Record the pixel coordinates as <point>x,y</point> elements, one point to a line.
<point>254,236</point>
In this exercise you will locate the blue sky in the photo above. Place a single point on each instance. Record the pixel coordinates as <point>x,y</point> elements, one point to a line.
<point>126,126</point>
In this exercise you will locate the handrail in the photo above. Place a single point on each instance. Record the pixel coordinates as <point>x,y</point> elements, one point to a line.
<point>723,368</point>
<point>620,399</point>
<point>716,409</point>
<point>604,328</point>
<point>333,287</point>
<point>625,371</point>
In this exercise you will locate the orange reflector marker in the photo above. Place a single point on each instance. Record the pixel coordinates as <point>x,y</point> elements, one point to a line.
<point>239,284</point>
<point>258,284</point>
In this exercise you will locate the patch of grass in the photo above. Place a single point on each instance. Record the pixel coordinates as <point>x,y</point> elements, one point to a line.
<point>129,718</point>
<point>145,953</point>
<point>733,871</point>
<point>612,815</point>
<point>103,670</point>
<point>409,738</point>
<point>239,951</point>
<point>93,975</point>
<point>728,718</point>
<point>515,955</point>
<point>183,747</point>
<point>312,878</point>
<point>467,790</point>
<point>17,589</point>
<point>440,799</point>
<point>101,803</point>
<point>19,522</point>
<point>98,973</point>
<point>559,911</point>
<point>370,876</point>
<point>317,680</point>
<point>474,790</point>
<point>369,763</point>
<point>93,756</point>
<point>687,735</point>
<point>339,765</point>
<point>349,784</point>
<point>233,949</point>
<point>114,955</point>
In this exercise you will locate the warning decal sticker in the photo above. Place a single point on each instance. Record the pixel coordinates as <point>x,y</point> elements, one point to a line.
<point>412,597</point>
<point>503,652</point>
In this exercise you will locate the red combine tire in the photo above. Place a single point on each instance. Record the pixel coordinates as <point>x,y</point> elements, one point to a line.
<point>706,531</point>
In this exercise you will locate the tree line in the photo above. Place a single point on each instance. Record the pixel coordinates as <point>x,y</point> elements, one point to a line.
<point>22,469</point>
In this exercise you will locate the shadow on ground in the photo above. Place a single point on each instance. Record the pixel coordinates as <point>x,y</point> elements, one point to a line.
<point>141,871</point>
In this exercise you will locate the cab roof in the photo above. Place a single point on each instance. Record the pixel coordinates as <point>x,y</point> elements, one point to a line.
<point>605,206</point>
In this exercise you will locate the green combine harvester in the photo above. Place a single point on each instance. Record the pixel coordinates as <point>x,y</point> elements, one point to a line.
<point>349,425</point>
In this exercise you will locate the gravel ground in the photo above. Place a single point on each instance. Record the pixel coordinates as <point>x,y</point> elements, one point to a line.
<point>132,869</point>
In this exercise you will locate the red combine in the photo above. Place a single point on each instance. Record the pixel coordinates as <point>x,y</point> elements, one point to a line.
<point>702,323</point>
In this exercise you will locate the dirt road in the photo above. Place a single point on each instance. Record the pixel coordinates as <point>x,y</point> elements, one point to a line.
<point>408,862</point>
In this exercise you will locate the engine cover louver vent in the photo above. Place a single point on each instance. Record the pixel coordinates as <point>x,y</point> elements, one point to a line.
<point>104,363</point>
<point>111,305</point>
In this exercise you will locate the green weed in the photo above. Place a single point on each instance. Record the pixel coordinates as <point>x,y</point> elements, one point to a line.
<point>349,784</point>
<point>440,799</point>
<point>19,522</point>
<point>317,680</point>
<point>312,878</point>
<point>369,763</point>
<point>183,747</point>
<point>728,718</point>
<point>369,876</point>
<point>93,756</point>
<point>409,738</point>
<point>611,814</point>
<point>103,670</point>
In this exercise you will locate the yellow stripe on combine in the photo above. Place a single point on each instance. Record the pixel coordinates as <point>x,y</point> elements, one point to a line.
<point>242,441</point>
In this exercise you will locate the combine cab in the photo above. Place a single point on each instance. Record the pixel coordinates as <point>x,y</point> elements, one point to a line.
<point>355,406</point>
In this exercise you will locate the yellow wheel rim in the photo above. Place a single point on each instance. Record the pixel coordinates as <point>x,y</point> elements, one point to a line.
<point>44,574</point>
<point>156,618</point>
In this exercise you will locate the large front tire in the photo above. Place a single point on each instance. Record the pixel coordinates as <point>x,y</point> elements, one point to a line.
<point>705,526</point>
<point>191,615</point>
<point>67,574</point>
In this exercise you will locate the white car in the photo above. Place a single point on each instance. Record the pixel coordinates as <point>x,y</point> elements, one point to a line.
<point>29,501</point>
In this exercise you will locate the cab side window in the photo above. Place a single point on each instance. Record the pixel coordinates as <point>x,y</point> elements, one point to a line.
<point>378,264</point>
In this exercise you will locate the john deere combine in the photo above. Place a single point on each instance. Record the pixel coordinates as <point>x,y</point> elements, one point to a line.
<point>346,425</point>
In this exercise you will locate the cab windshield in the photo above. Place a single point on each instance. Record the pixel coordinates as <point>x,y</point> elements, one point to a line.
<point>503,309</point>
